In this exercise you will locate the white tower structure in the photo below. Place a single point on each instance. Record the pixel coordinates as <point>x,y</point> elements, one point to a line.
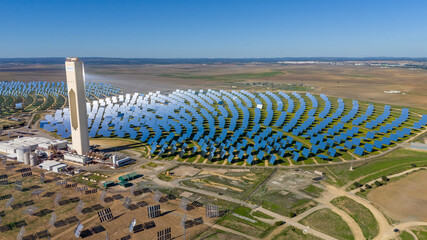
<point>77,101</point>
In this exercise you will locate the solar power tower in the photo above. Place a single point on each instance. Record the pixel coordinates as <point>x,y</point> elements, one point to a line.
<point>77,98</point>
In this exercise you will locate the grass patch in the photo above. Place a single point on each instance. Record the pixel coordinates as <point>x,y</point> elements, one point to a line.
<point>261,215</point>
<point>360,214</point>
<point>406,236</point>
<point>329,223</point>
<point>284,203</point>
<point>216,234</point>
<point>313,191</point>
<point>257,228</point>
<point>291,233</point>
<point>420,232</point>
<point>235,184</point>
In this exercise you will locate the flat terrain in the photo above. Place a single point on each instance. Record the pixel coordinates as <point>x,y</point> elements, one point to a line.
<point>328,222</point>
<point>356,82</point>
<point>404,199</point>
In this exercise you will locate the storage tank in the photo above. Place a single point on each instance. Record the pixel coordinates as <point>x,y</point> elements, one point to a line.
<point>33,159</point>
<point>114,159</point>
<point>20,154</point>
<point>27,157</point>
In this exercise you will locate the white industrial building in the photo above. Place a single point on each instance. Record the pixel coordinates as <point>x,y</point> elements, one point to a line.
<point>53,166</point>
<point>76,158</point>
<point>58,144</point>
<point>19,147</point>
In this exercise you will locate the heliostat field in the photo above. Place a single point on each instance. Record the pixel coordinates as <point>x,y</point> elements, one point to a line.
<point>246,128</point>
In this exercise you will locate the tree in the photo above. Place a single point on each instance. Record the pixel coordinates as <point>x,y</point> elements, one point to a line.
<point>385,178</point>
<point>377,183</point>
<point>357,184</point>
<point>368,186</point>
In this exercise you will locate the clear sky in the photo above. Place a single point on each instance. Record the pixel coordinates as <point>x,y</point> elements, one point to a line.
<point>213,28</point>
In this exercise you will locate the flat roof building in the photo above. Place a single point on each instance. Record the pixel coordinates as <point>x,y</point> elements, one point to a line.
<point>76,158</point>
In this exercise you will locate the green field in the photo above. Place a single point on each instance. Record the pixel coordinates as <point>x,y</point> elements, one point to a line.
<point>360,214</point>
<point>329,223</point>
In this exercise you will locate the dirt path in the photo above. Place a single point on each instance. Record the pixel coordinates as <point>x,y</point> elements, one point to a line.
<point>234,232</point>
<point>412,234</point>
<point>383,224</point>
<point>326,199</point>
<point>390,234</point>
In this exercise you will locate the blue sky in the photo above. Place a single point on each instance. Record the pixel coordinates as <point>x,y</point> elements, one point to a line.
<point>201,28</point>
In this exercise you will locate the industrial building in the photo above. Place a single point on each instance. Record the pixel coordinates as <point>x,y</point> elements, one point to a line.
<point>122,162</point>
<point>76,158</point>
<point>53,166</point>
<point>19,147</point>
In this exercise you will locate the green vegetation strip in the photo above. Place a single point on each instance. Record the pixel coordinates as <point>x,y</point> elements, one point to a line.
<point>396,161</point>
<point>329,223</point>
<point>262,215</point>
<point>360,214</point>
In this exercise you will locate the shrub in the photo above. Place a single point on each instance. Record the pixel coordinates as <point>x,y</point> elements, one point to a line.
<point>278,223</point>
<point>357,184</point>
<point>368,186</point>
<point>377,183</point>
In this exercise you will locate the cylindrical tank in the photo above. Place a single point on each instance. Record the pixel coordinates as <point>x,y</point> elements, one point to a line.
<point>114,159</point>
<point>27,157</point>
<point>33,159</point>
<point>20,154</point>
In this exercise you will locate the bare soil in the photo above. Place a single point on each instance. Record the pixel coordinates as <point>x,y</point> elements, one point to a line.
<point>403,200</point>
<point>356,82</point>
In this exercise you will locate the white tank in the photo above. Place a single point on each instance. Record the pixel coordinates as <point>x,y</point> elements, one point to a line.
<point>20,154</point>
<point>33,159</point>
<point>27,157</point>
